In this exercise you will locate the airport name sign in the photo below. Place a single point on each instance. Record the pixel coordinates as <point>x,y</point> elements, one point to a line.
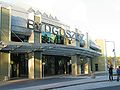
<point>44,27</point>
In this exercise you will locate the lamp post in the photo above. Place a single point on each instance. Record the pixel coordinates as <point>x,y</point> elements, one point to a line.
<point>114,62</point>
<point>106,61</point>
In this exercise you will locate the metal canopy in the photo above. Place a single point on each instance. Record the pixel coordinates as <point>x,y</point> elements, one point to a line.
<point>70,50</point>
<point>20,47</point>
<point>49,49</point>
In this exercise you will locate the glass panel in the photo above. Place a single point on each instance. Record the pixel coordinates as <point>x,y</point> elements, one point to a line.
<point>5,17</point>
<point>18,21</point>
<point>37,37</point>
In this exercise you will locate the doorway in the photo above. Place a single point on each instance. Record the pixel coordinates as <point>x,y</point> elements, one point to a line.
<point>56,65</point>
<point>19,65</point>
<point>96,67</point>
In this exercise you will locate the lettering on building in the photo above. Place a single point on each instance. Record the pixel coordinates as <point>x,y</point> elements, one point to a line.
<point>44,27</point>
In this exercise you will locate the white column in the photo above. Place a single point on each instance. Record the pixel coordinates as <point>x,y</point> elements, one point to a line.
<point>31,66</point>
<point>41,69</point>
<point>76,67</point>
<point>89,65</point>
<point>9,66</point>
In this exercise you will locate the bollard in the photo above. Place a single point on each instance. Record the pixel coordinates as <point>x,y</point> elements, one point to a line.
<point>92,75</point>
<point>5,78</point>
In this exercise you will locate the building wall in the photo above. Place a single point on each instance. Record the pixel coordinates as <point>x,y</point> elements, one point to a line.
<point>101,59</point>
<point>19,19</point>
<point>101,63</point>
<point>5,24</point>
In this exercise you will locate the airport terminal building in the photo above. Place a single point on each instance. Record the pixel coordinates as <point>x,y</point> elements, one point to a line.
<point>35,45</point>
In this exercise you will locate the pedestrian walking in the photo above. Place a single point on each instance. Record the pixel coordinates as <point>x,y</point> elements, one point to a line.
<point>111,73</point>
<point>118,73</point>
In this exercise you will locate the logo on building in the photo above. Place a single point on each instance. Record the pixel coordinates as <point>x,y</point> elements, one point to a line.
<point>45,27</point>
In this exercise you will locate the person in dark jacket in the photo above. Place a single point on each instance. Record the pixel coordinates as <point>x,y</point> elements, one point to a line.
<point>111,73</point>
<point>118,73</point>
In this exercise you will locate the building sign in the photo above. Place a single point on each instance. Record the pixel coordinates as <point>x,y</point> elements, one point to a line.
<point>33,25</point>
<point>44,27</point>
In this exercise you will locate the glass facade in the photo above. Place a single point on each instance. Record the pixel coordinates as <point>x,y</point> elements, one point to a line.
<point>19,65</point>
<point>56,65</point>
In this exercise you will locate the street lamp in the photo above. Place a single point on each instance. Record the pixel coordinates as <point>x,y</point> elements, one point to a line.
<point>106,61</point>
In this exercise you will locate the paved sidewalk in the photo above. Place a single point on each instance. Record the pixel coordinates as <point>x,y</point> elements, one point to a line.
<point>67,83</point>
<point>78,80</point>
<point>11,81</point>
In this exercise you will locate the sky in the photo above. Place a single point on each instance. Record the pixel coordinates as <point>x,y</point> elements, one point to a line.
<point>100,18</point>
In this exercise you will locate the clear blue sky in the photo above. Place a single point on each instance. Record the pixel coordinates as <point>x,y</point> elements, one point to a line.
<point>100,18</point>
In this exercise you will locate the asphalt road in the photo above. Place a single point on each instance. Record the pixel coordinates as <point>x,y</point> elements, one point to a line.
<point>27,83</point>
<point>108,88</point>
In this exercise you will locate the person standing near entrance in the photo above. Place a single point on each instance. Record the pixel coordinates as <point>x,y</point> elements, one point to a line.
<point>111,73</point>
<point>118,73</point>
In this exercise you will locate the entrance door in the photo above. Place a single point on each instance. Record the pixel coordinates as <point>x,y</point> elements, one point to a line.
<point>56,65</point>
<point>14,69</point>
<point>19,65</point>
<point>96,67</point>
